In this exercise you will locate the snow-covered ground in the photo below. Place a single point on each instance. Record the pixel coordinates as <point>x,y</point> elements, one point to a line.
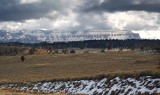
<point>105,86</point>
<point>36,36</point>
<point>149,51</point>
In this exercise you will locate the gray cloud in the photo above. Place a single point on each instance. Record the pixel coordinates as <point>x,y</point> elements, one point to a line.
<point>123,5</point>
<point>13,10</point>
<point>77,15</point>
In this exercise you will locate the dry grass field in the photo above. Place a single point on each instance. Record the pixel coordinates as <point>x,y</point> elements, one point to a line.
<point>10,92</point>
<point>61,66</point>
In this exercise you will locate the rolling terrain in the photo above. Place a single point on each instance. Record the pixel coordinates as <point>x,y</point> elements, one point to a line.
<point>59,66</point>
<point>90,66</point>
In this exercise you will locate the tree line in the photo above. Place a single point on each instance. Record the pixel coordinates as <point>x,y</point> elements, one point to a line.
<point>130,43</point>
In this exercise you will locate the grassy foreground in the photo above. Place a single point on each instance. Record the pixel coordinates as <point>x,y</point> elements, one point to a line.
<point>63,66</point>
<point>10,92</point>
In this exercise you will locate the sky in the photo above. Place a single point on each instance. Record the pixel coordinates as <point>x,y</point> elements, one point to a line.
<point>139,16</point>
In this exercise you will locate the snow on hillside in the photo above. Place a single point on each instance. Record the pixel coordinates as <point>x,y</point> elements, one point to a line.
<point>105,86</point>
<point>34,36</point>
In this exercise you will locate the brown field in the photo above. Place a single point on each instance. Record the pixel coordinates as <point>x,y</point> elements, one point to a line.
<point>10,92</point>
<point>62,66</point>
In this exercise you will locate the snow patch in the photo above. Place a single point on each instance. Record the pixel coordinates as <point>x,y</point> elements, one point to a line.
<point>105,86</point>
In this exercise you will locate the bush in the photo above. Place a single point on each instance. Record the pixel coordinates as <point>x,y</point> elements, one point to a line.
<point>121,49</point>
<point>158,49</point>
<point>56,51</point>
<point>72,51</point>
<point>142,48</point>
<point>64,51</point>
<point>132,48</point>
<point>103,50</point>
<point>32,51</point>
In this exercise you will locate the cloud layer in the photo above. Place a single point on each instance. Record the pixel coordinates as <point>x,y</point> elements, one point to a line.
<point>141,16</point>
<point>124,5</point>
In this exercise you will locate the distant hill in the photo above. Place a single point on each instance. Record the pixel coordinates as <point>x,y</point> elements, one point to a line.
<point>36,36</point>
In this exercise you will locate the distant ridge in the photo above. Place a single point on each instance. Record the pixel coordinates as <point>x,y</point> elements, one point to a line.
<point>35,36</point>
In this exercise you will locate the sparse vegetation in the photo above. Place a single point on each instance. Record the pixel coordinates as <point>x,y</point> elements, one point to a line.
<point>9,50</point>
<point>86,51</point>
<point>53,66</point>
<point>142,48</point>
<point>103,50</point>
<point>72,51</point>
<point>32,50</point>
<point>56,51</point>
<point>120,49</point>
<point>64,51</point>
<point>49,67</point>
<point>16,92</point>
<point>158,49</point>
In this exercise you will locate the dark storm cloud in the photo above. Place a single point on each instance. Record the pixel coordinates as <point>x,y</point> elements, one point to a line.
<point>13,10</point>
<point>123,5</point>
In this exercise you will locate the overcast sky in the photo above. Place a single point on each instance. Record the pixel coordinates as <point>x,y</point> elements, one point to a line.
<point>140,16</point>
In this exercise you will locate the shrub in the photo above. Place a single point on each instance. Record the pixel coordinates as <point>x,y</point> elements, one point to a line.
<point>120,49</point>
<point>72,51</point>
<point>64,51</point>
<point>142,48</point>
<point>158,49</point>
<point>132,48</point>
<point>103,50</point>
<point>56,51</point>
<point>32,51</point>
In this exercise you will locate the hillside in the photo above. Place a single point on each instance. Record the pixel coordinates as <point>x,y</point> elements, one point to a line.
<point>36,36</point>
